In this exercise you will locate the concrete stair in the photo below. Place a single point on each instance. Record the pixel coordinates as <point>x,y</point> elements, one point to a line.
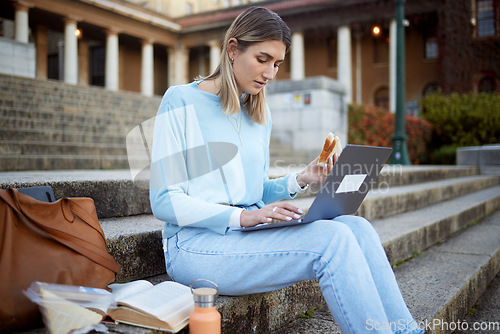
<point>435,212</point>
<point>441,285</point>
<point>49,125</point>
<point>282,154</point>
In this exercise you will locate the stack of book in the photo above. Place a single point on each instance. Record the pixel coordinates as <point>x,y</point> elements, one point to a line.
<point>165,306</point>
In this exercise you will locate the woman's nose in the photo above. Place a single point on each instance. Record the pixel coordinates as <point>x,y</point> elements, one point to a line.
<point>269,73</point>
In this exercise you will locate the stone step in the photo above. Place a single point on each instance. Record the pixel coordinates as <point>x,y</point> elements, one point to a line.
<point>97,115</point>
<point>398,175</point>
<point>401,235</point>
<point>282,154</point>
<point>384,202</point>
<point>16,148</point>
<point>289,160</point>
<point>446,281</point>
<point>66,112</point>
<point>46,111</point>
<point>134,200</point>
<point>61,162</point>
<point>484,316</point>
<point>17,91</point>
<point>68,108</point>
<point>387,201</point>
<point>404,234</point>
<point>135,241</point>
<point>441,285</point>
<point>267,312</point>
<point>62,136</point>
<point>20,123</point>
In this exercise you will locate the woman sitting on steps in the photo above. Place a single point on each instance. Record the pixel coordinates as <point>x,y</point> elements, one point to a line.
<point>201,190</point>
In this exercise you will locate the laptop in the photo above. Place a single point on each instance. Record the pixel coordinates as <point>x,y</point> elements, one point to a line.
<point>344,189</point>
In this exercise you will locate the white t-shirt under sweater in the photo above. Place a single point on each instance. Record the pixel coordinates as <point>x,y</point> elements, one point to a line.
<point>206,166</point>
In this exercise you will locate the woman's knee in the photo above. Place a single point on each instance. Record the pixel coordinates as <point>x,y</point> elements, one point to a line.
<point>332,234</point>
<point>327,229</point>
<point>360,227</point>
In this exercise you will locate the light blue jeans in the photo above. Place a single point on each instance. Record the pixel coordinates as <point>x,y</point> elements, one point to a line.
<point>344,255</point>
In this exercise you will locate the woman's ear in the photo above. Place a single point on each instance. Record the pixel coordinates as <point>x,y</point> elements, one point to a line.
<point>232,47</point>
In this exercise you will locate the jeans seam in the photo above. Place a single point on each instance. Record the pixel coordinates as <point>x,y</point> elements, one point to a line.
<point>170,261</point>
<point>249,254</point>
<point>337,299</point>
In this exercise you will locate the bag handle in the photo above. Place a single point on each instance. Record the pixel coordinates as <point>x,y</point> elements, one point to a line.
<point>97,255</point>
<point>74,209</point>
<point>62,235</point>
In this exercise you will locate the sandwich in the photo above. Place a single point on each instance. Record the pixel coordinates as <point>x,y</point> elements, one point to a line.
<point>332,145</point>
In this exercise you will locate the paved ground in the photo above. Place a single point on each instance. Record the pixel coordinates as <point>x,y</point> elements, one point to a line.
<point>485,316</point>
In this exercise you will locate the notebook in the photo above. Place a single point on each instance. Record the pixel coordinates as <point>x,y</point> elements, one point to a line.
<point>344,189</point>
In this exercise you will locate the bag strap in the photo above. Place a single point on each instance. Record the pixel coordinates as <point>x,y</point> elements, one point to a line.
<point>96,254</point>
<point>80,212</point>
<point>74,209</point>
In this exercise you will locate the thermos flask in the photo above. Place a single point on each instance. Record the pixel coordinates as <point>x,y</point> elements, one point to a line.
<point>205,319</point>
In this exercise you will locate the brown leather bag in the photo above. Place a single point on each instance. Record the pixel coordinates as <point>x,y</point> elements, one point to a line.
<point>59,242</point>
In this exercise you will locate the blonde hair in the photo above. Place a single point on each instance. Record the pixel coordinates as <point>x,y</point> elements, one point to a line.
<point>254,25</point>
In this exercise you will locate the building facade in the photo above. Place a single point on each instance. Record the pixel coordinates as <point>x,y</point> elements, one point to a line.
<point>146,46</point>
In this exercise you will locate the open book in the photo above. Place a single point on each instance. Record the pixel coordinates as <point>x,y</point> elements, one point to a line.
<point>165,306</point>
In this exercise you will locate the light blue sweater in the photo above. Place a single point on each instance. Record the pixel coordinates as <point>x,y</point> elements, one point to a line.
<point>200,162</point>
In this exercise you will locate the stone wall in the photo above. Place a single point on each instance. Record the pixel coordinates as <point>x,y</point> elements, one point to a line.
<point>304,111</point>
<point>486,158</point>
<point>17,58</point>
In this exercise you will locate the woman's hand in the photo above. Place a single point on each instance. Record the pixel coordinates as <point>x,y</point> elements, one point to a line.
<point>279,211</point>
<point>314,173</point>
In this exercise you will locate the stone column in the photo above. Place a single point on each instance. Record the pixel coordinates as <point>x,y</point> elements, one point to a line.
<point>178,59</point>
<point>215,55</point>
<point>111,63</point>
<point>147,68</point>
<point>392,66</point>
<point>297,58</point>
<point>70,52</point>
<point>41,51</point>
<point>344,61</point>
<point>21,31</point>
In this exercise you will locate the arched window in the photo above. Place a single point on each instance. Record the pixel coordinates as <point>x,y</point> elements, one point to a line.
<point>487,84</point>
<point>381,98</point>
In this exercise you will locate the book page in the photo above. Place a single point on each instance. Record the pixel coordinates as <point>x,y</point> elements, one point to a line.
<point>175,330</point>
<point>63,316</point>
<point>95,299</point>
<point>162,301</point>
<point>122,290</point>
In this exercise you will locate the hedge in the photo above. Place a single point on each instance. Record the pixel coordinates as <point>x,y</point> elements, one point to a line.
<point>463,119</point>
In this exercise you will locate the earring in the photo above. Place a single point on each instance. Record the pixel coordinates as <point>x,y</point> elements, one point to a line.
<point>232,60</point>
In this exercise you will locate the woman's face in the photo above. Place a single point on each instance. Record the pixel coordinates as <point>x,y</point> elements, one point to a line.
<point>257,65</point>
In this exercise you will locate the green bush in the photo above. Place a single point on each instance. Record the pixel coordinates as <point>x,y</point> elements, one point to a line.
<point>375,127</point>
<point>463,119</point>
<point>444,155</point>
